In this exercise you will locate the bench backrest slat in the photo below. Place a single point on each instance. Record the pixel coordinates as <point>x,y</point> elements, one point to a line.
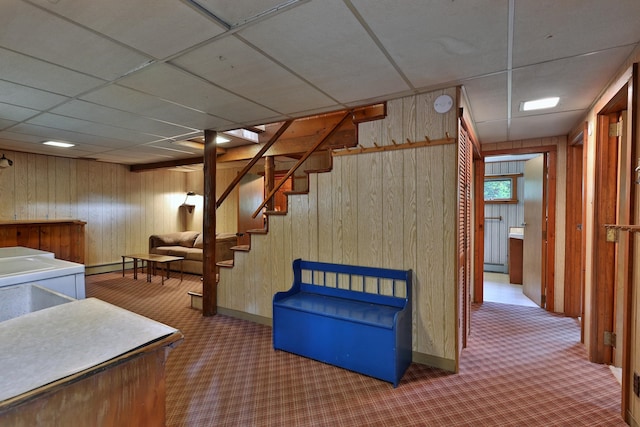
<point>368,284</point>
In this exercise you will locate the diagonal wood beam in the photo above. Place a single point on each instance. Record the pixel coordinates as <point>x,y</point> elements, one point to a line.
<point>295,167</point>
<point>253,161</point>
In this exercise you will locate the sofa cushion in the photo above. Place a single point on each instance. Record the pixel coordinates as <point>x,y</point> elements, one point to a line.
<point>181,238</point>
<point>199,243</point>
<point>192,254</point>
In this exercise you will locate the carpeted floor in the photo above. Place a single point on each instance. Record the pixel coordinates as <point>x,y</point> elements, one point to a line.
<point>523,367</point>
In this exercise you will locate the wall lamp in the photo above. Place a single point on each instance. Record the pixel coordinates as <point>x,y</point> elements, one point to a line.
<point>4,162</point>
<point>188,206</point>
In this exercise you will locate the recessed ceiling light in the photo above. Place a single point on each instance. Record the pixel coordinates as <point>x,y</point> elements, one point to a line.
<point>539,104</point>
<point>59,144</point>
<point>221,140</point>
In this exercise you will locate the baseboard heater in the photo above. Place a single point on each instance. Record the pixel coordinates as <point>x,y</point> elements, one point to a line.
<point>496,268</point>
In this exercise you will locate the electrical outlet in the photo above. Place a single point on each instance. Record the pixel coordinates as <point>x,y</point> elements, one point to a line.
<point>612,235</point>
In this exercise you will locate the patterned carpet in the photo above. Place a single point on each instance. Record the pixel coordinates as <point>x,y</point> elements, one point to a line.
<point>523,367</point>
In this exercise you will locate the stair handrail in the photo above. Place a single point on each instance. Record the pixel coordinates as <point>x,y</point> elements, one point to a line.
<point>253,161</point>
<point>295,167</point>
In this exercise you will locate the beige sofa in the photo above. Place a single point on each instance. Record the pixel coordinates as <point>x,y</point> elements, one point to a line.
<point>188,244</point>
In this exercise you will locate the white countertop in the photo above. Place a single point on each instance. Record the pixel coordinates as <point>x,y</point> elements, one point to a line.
<point>22,252</point>
<point>29,269</point>
<point>51,344</point>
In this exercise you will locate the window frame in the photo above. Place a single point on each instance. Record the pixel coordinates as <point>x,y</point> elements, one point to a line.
<point>503,177</point>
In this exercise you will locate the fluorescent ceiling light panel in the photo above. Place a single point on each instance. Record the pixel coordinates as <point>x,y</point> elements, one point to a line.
<point>221,139</point>
<point>539,104</point>
<point>59,144</point>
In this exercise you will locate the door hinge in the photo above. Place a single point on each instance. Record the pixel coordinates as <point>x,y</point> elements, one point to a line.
<point>610,339</point>
<point>615,129</point>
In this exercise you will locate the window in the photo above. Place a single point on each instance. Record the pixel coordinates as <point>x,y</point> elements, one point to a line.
<point>501,189</point>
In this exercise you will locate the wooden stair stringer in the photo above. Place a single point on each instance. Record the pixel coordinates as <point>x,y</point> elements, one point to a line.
<point>229,264</point>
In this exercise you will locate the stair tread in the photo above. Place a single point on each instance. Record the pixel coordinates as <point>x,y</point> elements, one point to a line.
<point>226,263</point>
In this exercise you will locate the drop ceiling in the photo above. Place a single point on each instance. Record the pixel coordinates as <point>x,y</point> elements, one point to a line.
<point>124,80</point>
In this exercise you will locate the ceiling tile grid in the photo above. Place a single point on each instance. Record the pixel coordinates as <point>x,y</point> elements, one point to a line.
<point>129,78</point>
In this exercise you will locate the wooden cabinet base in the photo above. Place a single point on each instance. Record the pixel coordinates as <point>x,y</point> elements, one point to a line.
<point>65,238</point>
<point>515,261</point>
<point>129,392</point>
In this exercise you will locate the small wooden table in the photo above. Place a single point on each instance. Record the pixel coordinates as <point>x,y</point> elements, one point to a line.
<point>152,261</point>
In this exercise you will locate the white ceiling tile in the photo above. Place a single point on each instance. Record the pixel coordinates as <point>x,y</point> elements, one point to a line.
<point>493,131</point>
<point>40,34</point>
<point>175,85</point>
<point>435,42</point>
<point>46,133</point>
<point>24,96</point>
<point>126,99</point>
<point>326,45</point>
<point>83,126</point>
<point>39,148</point>
<point>169,147</point>
<point>4,124</point>
<point>546,29</point>
<point>13,112</point>
<point>488,97</point>
<point>238,12</point>
<point>160,28</point>
<point>232,64</point>
<point>100,114</point>
<point>37,74</point>
<point>589,73</point>
<point>544,125</point>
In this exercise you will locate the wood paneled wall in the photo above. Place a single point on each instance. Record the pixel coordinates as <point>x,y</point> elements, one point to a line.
<point>496,231</point>
<point>227,213</point>
<point>121,208</point>
<point>393,209</point>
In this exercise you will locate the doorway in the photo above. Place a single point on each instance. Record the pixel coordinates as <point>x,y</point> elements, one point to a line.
<point>487,224</point>
<point>507,199</point>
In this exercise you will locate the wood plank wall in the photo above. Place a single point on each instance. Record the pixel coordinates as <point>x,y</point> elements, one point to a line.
<point>122,209</point>
<point>393,209</point>
<point>226,215</point>
<point>496,231</point>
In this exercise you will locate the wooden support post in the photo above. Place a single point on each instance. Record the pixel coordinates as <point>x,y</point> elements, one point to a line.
<point>269,179</point>
<point>209,282</point>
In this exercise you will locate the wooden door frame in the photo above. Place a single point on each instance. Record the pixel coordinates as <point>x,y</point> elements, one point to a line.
<point>605,201</point>
<point>548,260</point>
<point>633,117</point>
<point>575,210</point>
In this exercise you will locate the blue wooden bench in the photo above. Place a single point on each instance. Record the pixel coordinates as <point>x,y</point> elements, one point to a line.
<point>357,318</point>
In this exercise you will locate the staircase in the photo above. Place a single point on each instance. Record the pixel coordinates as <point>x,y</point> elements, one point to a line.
<point>313,133</point>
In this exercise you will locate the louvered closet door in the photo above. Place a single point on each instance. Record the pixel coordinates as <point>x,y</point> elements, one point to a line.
<point>464,235</point>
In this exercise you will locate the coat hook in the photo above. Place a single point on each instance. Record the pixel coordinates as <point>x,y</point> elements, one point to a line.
<point>447,135</point>
<point>393,141</point>
<point>409,141</point>
<point>426,138</point>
